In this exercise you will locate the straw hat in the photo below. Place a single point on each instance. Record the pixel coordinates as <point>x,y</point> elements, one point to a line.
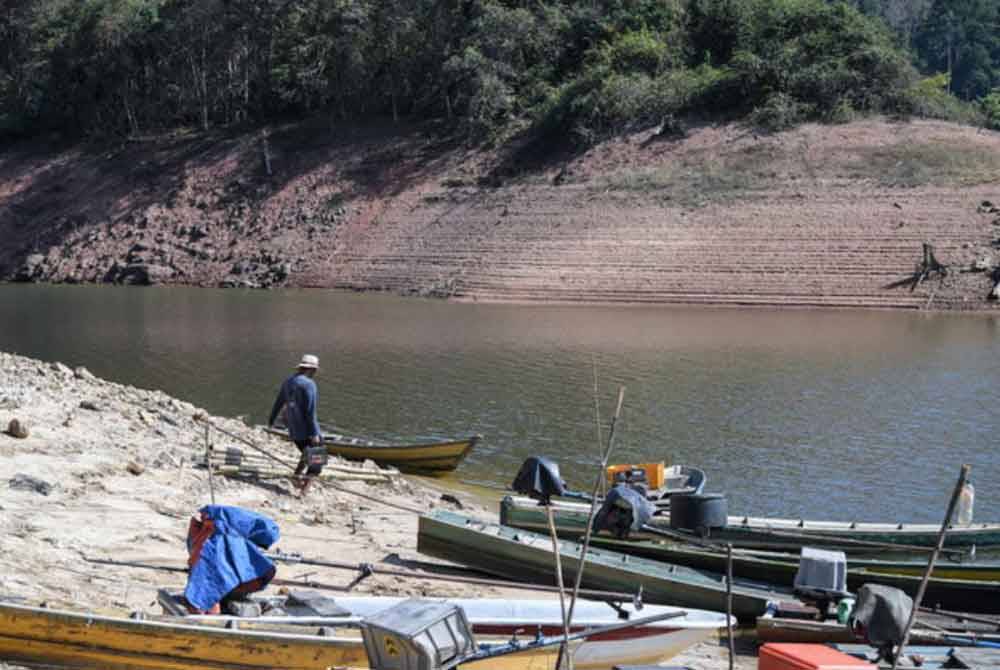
<point>309,361</point>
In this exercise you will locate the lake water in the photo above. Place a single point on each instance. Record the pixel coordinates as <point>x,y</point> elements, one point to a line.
<point>833,414</point>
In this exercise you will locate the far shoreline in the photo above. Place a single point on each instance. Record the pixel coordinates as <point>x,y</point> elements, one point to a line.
<point>986,308</point>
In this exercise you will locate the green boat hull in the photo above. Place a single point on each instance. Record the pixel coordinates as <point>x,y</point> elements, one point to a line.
<point>772,534</point>
<point>528,557</point>
<point>980,596</point>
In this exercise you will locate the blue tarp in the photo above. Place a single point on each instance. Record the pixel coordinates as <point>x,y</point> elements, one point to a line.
<point>231,556</point>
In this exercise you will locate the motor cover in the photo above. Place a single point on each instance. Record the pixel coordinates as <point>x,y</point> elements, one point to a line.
<point>625,510</point>
<point>881,615</point>
<point>539,478</point>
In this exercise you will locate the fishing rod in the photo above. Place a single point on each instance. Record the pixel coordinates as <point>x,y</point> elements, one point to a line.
<point>368,569</point>
<point>590,521</point>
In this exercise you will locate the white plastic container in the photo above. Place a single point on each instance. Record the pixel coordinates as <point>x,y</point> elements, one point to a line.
<point>966,499</point>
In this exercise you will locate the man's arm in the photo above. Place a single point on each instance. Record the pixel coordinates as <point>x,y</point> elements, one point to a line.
<point>279,402</point>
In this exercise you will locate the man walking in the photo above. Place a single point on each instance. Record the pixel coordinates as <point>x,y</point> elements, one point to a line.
<point>298,397</point>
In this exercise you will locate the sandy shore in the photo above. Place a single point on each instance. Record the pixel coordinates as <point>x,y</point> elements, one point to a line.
<point>109,471</point>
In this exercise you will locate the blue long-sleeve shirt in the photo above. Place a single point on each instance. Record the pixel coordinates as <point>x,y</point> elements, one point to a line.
<point>298,395</point>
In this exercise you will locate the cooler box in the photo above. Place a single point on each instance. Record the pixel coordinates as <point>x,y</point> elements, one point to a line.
<point>654,473</point>
<point>788,656</point>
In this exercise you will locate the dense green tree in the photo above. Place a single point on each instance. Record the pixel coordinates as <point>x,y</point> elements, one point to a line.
<point>962,38</point>
<point>123,67</point>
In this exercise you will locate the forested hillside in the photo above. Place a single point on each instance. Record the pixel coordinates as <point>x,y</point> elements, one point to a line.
<point>570,70</point>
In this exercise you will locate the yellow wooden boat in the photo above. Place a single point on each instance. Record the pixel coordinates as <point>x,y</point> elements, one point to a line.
<point>44,636</point>
<point>426,458</point>
<point>40,636</point>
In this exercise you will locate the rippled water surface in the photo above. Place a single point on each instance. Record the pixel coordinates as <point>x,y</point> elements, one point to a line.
<point>837,414</point>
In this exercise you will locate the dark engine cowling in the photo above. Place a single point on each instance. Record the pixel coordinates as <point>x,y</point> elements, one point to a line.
<point>698,512</point>
<point>625,510</point>
<point>539,478</point>
<point>881,615</point>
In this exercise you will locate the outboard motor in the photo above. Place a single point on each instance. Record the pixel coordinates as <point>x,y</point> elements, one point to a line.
<point>698,512</point>
<point>624,510</point>
<point>822,577</point>
<point>539,478</point>
<point>880,617</point>
<point>634,478</point>
<point>418,635</point>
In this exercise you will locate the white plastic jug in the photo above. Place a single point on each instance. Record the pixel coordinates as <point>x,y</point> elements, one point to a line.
<point>966,498</point>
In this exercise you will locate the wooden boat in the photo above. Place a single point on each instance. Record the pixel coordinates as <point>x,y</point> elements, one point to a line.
<point>496,618</point>
<point>636,646</point>
<point>777,629</point>
<point>528,557</point>
<point>51,637</point>
<point>36,635</point>
<point>766,533</point>
<point>427,458</point>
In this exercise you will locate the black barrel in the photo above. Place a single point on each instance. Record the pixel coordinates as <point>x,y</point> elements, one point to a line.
<point>698,512</point>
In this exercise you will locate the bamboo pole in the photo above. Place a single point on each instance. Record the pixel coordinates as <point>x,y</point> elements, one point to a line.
<point>562,591</point>
<point>325,482</point>
<point>597,417</point>
<point>729,605</point>
<point>369,569</point>
<point>271,473</point>
<point>208,465</point>
<point>961,616</point>
<point>959,485</point>
<point>250,458</point>
<point>593,512</point>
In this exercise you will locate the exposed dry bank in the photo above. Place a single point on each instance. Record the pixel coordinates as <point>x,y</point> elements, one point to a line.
<point>68,491</point>
<point>819,216</point>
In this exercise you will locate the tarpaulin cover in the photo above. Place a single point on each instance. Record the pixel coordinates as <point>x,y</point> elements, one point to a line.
<point>881,614</point>
<point>225,553</point>
<point>625,510</point>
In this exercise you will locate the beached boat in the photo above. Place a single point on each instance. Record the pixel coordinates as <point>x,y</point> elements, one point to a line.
<point>51,637</point>
<point>777,629</point>
<point>423,457</point>
<point>42,636</point>
<point>767,533</point>
<point>493,618</point>
<point>528,557</point>
<point>967,594</point>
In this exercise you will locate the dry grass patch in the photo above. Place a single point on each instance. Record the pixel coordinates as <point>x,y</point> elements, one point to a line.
<point>704,178</point>
<point>908,165</point>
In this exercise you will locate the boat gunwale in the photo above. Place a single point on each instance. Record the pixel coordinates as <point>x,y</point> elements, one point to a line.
<point>8,609</point>
<point>765,524</point>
